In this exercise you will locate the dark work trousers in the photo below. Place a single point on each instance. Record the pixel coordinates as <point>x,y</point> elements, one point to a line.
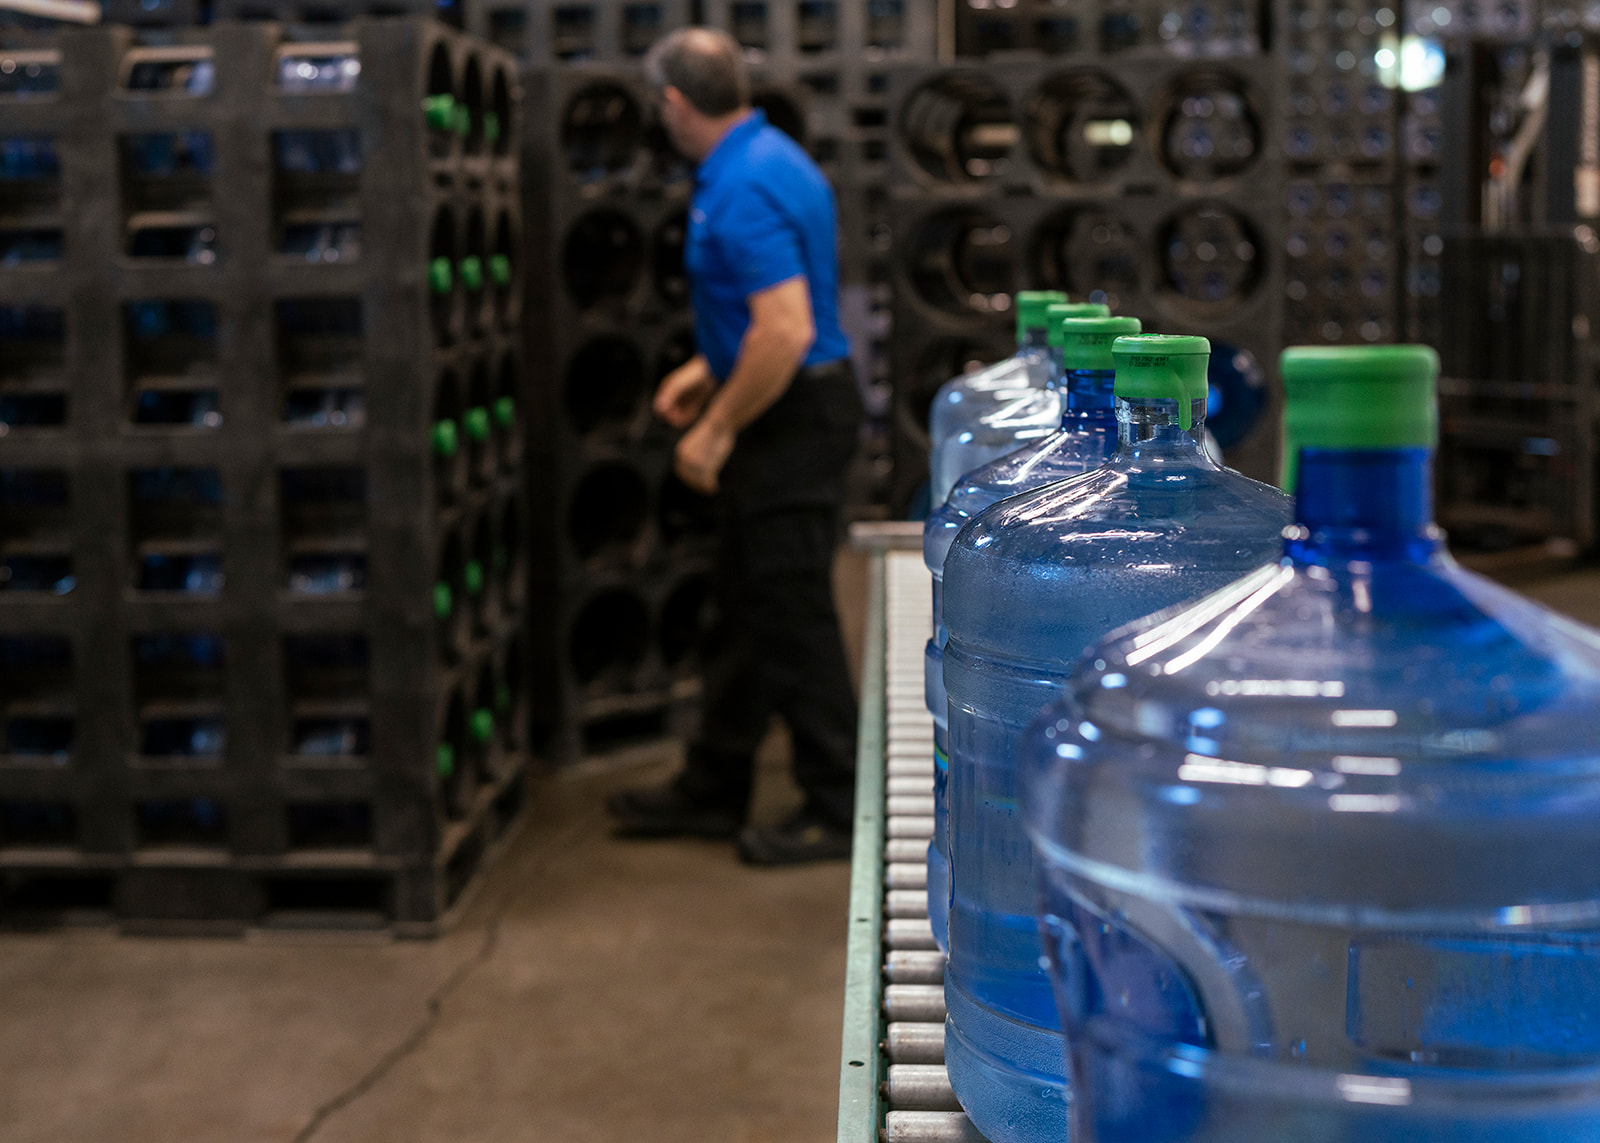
<point>774,645</point>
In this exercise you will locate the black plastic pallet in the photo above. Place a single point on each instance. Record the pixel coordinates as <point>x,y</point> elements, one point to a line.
<point>542,32</point>
<point>265,506</point>
<point>1108,28</point>
<point>997,189</point>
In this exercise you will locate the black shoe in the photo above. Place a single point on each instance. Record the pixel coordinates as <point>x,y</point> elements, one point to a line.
<point>664,811</point>
<point>800,838</point>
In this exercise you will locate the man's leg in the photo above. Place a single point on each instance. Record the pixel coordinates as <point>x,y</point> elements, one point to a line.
<point>711,795</point>
<point>795,627</point>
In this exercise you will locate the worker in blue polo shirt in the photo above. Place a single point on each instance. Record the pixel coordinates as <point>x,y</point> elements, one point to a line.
<point>771,415</point>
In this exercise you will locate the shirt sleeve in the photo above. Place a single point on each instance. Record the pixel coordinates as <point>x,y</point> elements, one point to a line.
<point>760,246</point>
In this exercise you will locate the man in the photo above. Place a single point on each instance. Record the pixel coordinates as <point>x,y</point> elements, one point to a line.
<point>772,415</point>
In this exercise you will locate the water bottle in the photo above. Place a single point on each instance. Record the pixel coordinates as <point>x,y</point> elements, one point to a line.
<point>1027,585</point>
<point>1084,438</point>
<point>963,399</point>
<point>1319,851</point>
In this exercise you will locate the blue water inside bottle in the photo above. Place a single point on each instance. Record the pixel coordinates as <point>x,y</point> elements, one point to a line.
<point>1027,585</point>
<point>1319,851</point>
<point>1010,388</point>
<point>1084,438</point>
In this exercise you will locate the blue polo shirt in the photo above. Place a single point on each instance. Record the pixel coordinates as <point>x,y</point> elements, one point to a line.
<point>762,213</point>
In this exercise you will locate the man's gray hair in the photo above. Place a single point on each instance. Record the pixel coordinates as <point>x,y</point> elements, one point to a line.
<point>703,63</point>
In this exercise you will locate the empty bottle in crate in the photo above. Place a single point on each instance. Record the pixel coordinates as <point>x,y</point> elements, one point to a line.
<point>1320,849</point>
<point>1027,585</point>
<point>1085,437</point>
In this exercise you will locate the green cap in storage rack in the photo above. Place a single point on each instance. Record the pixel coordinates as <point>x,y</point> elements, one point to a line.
<point>463,120</point>
<point>477,422</point>
<point>443,601</point>
<point>440,111</point>
<point>1077,311</point>
<point>1162,367</point>
<point>491,126</point>
<point>444,760</point>
<point>505,412</point>
<point>1085,341</point>
<point>472,577</point>
<point>1357,397</point>
<point>481,725</point>
<point>1031,307</point>
<point>446,438</point>
<point>472,272</point>
<point>440,276</point>
<point>500,269</point>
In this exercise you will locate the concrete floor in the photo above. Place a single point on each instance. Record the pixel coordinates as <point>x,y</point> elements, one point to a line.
<point>594,990</point>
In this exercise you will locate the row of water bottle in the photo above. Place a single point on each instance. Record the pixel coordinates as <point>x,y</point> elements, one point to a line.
<point>1310,851</point>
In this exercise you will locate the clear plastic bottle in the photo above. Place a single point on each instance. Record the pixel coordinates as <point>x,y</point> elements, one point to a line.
<point>963,399</point>
<point>1011,401</point>
<point>1027,585</point>
<point>1084,438</point>
<point>1320,851</point>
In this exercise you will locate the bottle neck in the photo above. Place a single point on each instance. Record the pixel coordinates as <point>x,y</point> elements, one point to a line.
<point>1149,425</point>
<point>1364,504</point>
<point>1090,397</point>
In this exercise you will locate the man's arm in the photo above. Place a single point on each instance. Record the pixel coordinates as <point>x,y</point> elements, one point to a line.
<point>775,344</point>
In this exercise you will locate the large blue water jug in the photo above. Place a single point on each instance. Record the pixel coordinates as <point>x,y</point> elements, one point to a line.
<point>981,416</point>
<point>1083,439</point>
<point>1322,851</point>
<point>1027,585</point>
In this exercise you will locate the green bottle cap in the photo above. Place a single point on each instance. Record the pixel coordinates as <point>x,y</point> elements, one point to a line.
<point>1031,306</point>
<point>481,725</point>
<point>472,272</point>
<point>1085,343</point>
<point>446,439</point>
<point>472,577</point>
<point>443,600</point>
<point>491,126</point>
<point>444,760</point>
<point>440,111</point>
<point>463,120</point>
<point>477,422</point>
<point>440,276</point>
<point>1357,397</point>
<point>1162,367</point>
<point>502,697</point>
<point>500,269</point>
<point>505,412</point>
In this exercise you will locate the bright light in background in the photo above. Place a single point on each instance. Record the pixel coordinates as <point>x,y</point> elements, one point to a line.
<point>1421,63</point>
<point>1108,133</point>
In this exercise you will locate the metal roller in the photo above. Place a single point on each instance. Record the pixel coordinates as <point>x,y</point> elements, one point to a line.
<point>919,1087</point>
<point>930,1127</point>
<point>910,827</point>
<point>910,786</point>
<point>905,933</point>
<point>906,903</point>
<point>904,850</point>
<point>918,806</point>
<point>906,875</point>
<point>908,1043</point>
<point>919,1002</point>
<point>914,966</point>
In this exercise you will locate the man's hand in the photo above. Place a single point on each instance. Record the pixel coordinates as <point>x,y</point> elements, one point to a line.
<point>701,453</point>
<point>683,394</point>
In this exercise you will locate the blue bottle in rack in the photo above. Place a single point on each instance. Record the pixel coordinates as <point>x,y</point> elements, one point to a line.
<point>1320,850</point>
<point>1027,585</point>
<point>1085,437</point>
<point>1009,392</point>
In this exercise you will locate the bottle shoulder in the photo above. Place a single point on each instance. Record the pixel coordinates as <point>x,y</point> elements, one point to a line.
<point>1103,513</point>
<point>1391,661</point>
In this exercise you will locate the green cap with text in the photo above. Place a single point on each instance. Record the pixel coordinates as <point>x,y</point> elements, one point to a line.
<point>1085,342</point>
<point>1357,397</point>
<point>1158,366</point>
